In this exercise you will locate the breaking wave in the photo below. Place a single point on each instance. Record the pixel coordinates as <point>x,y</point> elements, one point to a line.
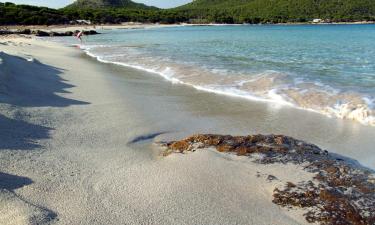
<point>268,86</point>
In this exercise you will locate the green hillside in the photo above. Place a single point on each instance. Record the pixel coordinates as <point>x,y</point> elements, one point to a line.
<point>199,11</point>
<point>94,4</point>
<point>12,14</point>
<point>254,11</point>
<point>214,3</point>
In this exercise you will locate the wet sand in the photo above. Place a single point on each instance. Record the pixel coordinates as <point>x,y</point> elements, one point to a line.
<point>183,110</point>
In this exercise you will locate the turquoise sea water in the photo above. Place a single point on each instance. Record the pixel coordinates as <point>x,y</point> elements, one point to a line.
<point>325,68</point>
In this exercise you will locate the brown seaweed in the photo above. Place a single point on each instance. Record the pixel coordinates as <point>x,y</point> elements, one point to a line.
<point>342,193</point>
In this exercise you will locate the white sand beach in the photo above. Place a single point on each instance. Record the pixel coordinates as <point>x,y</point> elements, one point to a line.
<point>77,145</point>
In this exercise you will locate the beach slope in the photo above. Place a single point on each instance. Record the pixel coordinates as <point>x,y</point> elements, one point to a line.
<point>75,150</point>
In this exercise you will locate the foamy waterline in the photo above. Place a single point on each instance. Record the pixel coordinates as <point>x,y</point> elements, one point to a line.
<point>362,113</point>
<point>222,91</point>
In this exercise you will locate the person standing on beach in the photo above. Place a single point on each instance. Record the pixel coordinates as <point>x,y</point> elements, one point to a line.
<point>79,35</point>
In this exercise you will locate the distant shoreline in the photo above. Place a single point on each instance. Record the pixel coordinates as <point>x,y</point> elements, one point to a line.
<point>156,25</point>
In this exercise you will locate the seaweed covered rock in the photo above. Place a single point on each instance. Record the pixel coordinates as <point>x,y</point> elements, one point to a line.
<point>270,145</point>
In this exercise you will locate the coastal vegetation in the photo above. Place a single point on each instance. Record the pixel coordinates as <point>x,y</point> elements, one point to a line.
<point>11,14</point>
<point>199,11</point>
<point>279,11</point>
<point>108,3</point>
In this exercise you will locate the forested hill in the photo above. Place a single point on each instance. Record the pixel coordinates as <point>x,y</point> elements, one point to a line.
<point>12,14</point>
<point>199,11</point>
<point>254,11</point>
<point>108,4</point>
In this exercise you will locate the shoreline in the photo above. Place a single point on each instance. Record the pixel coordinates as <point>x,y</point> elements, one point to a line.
<point>60,28</point>
<point>91,140</point>
<point>320,117</point>
<point>359,113</point>
<point>340,123</point>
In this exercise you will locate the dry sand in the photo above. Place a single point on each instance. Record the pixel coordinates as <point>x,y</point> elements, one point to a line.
<point>76,146</point>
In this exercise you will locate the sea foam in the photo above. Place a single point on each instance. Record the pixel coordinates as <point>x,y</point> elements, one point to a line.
<point>268,86</point>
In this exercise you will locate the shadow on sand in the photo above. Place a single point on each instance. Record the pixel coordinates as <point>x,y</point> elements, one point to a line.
<point>8,184</point>
<point>26,82</point>
<point>144,138</point>
<point>20,135</point>
<point>12,182</point>
<point>30,83</point>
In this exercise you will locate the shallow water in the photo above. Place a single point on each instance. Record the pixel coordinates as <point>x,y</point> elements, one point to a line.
<point>328,68</point>
<point>325,68</point>
<point>176,111</point>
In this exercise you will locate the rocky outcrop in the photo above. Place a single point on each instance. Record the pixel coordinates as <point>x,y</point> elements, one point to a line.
<point>42,33</point>
<point>5,32</point>
<point>90,32</point>
<point>63,34</point>
<point>24,31</point>
<point>341,193</point>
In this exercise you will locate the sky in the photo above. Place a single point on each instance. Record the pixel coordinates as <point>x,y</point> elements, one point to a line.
<point>62,3</point>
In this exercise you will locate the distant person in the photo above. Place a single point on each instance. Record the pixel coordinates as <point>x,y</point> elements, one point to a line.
<point>79,35</point>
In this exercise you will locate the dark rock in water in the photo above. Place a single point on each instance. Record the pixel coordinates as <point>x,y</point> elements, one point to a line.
<point>69,33</point>
<point>90,32</point>
<point>55,34</point>
<point>24,31</point>
<point>341,193</point>
<point>86,32</point>
<point>5,32</point>
<point>63,34</point>
<point>40,33</point>
<point>20,31</point>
